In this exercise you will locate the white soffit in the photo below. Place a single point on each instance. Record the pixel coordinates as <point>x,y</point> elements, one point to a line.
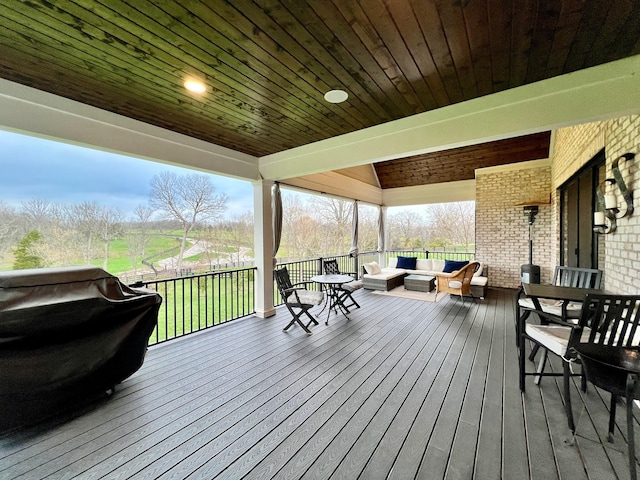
<point>339,185</point>
<point>597,93</point>
<point>30,111</point>
<point>461,191</point>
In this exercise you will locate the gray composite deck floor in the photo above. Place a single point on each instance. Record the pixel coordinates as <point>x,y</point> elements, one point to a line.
<point>404,389</point>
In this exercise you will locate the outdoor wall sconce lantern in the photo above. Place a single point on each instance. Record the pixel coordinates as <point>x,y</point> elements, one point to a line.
<point>605,221</point>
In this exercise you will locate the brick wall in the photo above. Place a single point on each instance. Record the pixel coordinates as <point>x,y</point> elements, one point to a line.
<point>575,146</point>
<point>502,228</point>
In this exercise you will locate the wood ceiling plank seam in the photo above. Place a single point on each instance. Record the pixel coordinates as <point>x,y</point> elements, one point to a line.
<point>250,101</point>
<point>252,69</point>
<point>594,16</point>
<point>611,28</point>
<point>108,65</point>
<point>433,33</point>
<point>499,14</point>
<point>367,34</point>
<point>389,33</point>
<point>351,43</point>
<point>69,87</point>
<point>102,96</point>
<point>628,37</point>
<point>477,27</point>
<point>544,30</point>
<point>409,29</point>
<point>108,69</point>
<point>306,99</point>
<point>568,25</point>
<point>271,42</point>
<point>360,98</point>
<point>458,40</point>
<point>523,19</point>
<point>358,66</point>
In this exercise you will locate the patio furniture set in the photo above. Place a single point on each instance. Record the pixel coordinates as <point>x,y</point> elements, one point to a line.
<point>583,324</point>
<point>422,273</point>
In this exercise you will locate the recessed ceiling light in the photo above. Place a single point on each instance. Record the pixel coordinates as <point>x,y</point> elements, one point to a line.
<point>195,86</point>
<point>336,96</point>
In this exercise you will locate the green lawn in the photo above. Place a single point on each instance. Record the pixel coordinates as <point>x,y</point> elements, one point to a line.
<point>193,303</point>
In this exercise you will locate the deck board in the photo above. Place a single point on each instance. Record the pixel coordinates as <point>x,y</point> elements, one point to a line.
<point>403,389</point>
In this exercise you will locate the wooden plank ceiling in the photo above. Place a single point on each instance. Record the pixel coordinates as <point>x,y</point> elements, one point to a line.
<point>268,63</point>
<point>460,163</point>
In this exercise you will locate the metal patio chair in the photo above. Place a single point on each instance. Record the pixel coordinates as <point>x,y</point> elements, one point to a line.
<point>345,290</point>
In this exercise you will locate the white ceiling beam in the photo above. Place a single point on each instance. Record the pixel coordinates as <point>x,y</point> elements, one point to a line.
<point>34,112</point>
<point>461,191</point>
<point>605,91</point>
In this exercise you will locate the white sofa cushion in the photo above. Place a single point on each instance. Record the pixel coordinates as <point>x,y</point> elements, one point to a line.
<point>387,273</point>
<point>372,268</point>
<point>437,265</point>
<point>424,264</point>
<point>554,337</point>
<point>479,271</point>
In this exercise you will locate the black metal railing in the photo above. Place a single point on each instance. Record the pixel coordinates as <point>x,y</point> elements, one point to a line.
<point>197,302</point>
<point>433,254</point>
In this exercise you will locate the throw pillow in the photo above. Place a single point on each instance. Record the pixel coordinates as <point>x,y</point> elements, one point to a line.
<point>372,268</point>
<point>453,265</point>
<point>408,263</point>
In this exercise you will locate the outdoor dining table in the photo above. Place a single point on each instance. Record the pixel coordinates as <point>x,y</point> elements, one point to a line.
<point>332,282</point>
<point>563,294</point>
<point>536,291</point>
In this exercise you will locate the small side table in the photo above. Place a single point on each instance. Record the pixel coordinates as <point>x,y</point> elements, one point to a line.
<point>419,283</point>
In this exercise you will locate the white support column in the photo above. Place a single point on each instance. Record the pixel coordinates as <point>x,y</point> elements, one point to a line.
<point>263,248</point>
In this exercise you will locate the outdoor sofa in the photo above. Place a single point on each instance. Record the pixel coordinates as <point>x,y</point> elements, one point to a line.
<point>392,276</point>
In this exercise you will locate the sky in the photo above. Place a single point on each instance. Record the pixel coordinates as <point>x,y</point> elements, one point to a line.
<point>35,168</point>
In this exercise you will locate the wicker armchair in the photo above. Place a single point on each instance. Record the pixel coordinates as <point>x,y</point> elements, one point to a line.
<point>458,282</point>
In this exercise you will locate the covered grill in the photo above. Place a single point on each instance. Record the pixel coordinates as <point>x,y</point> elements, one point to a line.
<point>67,334</point>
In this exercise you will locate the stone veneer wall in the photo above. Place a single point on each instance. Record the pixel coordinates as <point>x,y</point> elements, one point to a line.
<point>575,146</point>
<point>502,228</point>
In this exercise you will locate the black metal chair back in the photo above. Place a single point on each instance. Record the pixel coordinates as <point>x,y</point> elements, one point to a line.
<point>610,354</point>
<point>613,320</point>
<point>331,267</point>
<point>577,277</point>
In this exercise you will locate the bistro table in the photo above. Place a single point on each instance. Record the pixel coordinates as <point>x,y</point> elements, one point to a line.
<point>332,282</point>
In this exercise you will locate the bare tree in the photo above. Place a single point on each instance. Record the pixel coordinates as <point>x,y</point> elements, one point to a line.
<point>9,227</point>
<point>109,228</point>
<point>240,235</point>
<point>454,222</point>
<point>406,229</point>
<point>85,218</point>
<point>334,221</point>
<point>137,235</point>
<point>368,228</point>
<point>186,199</point>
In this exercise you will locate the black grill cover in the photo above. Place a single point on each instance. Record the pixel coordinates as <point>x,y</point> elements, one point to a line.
<point>67,333</point>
